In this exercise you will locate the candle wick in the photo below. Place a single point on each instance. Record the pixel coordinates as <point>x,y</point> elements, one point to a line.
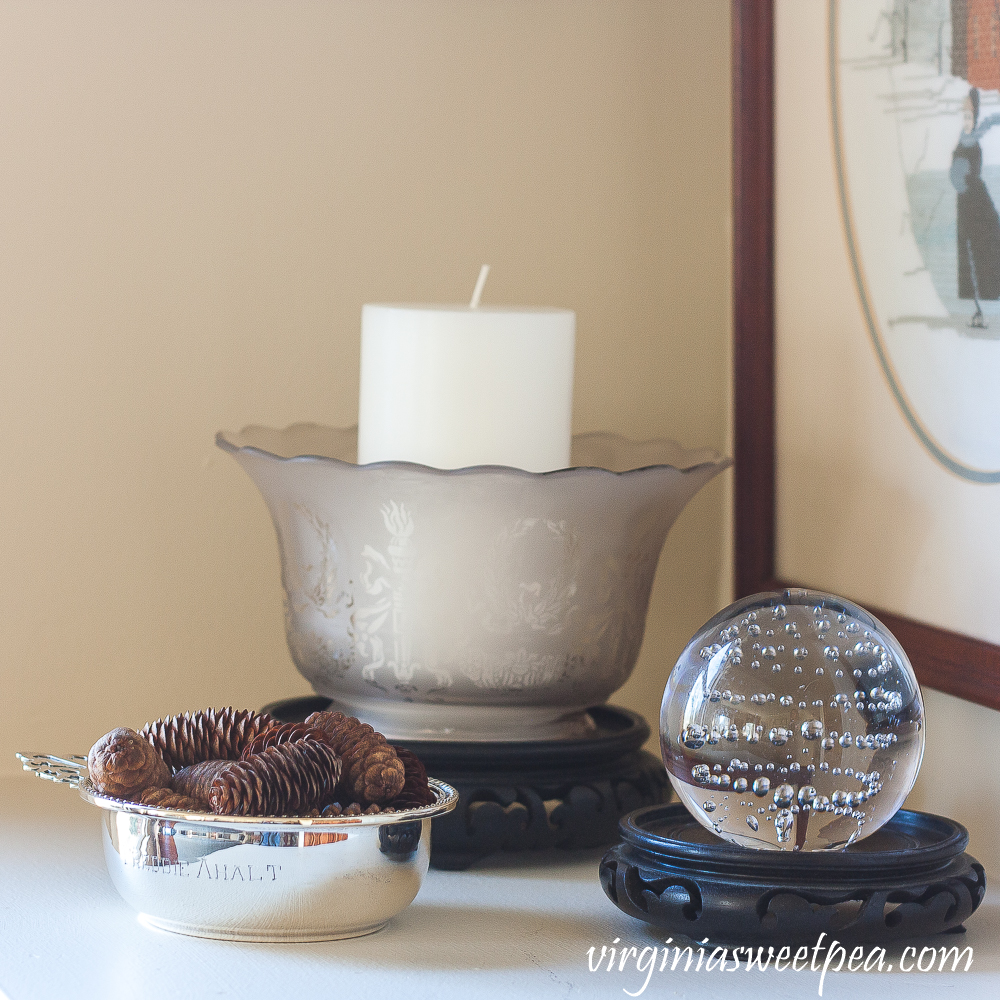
<point>477,293</point>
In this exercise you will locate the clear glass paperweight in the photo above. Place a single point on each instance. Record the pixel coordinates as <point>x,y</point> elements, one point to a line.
<point>792,721</point>
<point>472,604</point>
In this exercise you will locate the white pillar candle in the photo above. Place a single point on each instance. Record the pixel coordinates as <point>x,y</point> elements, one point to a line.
<point>454,386</point>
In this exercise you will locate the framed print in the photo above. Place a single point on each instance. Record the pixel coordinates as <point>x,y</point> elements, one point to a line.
<point>866,145</point>
<point>914,115</point>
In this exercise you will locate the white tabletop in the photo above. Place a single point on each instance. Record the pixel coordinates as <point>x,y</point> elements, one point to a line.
<point>511,926</point>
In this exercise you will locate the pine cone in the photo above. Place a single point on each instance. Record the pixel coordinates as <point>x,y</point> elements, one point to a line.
<point>373,773</point>
<point>355,809</point>
<point>167,798</point>
<point>196,781</point>
<point>214,734</point>
<point>336,809</point>
<point>275,735</point>
<point>289,779</point>
<point>121,764</point>
<point>416,791</point>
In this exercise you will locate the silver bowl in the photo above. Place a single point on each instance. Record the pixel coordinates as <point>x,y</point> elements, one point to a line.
<point>258,879</point>
<point>473,604</point>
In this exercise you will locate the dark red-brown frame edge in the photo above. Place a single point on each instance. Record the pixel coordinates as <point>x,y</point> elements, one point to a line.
<point>948,661</point>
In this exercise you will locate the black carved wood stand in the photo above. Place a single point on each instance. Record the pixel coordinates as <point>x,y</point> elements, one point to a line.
<point>908,879</point>
<point>532,796</point>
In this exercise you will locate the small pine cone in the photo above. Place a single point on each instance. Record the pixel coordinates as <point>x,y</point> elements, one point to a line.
<point>336,809</point>
<point>354,809</point>
<point>416,791</point>
<point>373,773</point>
<point>121,764</point>
<point>167,798</point>
<point>275,735</point>
<point>196,781</point>
<point>282,780</point>
<point>214,734</point>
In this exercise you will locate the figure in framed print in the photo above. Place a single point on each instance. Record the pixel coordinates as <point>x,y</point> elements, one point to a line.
<point>977,227</point>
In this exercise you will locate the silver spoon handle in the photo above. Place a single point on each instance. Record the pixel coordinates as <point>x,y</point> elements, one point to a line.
<point>63,770</point>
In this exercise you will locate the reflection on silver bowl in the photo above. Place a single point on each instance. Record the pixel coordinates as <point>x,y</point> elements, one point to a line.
<point>473,604</point>
<point>259,879</point>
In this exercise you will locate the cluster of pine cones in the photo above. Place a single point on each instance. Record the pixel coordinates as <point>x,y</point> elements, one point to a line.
<point>241,763</point>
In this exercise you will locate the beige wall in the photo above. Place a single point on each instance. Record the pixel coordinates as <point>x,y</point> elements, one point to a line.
<point>195,201</point>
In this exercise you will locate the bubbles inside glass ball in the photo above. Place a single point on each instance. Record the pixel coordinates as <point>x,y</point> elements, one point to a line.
<point>792,722</point>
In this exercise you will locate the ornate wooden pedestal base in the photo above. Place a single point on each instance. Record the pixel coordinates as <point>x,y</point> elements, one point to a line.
<point>908,879</point>
<point>530,796</point>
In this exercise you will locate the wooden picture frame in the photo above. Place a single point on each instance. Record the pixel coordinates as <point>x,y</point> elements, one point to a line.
<point>948,661</point>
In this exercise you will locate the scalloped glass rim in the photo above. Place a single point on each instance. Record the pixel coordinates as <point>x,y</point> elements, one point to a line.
<point>599,451</point>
